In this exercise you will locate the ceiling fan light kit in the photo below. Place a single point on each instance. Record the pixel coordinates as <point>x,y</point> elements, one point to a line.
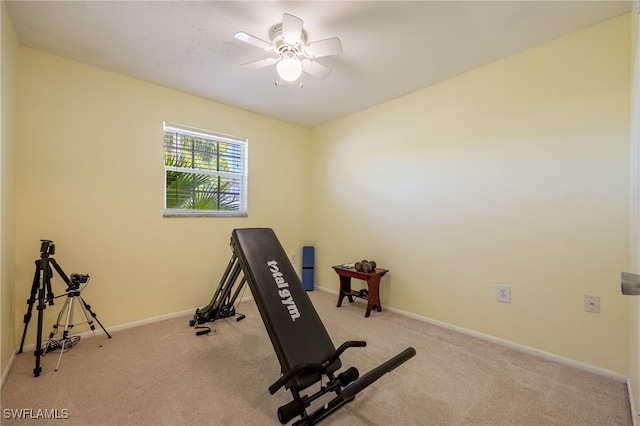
<point>289,69</point>
<point>289,43</point>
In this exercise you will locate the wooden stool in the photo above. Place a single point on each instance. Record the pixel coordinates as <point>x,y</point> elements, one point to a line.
<point>373,284</point>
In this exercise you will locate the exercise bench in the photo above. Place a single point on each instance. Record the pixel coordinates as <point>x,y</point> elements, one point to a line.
<point>301,342</point>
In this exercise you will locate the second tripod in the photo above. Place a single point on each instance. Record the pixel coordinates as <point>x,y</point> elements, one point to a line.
<point>74,298</point>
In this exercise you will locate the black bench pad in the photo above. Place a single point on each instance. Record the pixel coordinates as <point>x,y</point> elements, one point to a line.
<point>294,327</point>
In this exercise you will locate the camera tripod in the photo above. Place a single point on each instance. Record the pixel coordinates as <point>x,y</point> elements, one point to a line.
<point>73,297</point>
<point>41,291</point>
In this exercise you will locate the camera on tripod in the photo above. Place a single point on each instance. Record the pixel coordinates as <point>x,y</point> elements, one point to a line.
<point>76,280</point>
<point>79,278</point>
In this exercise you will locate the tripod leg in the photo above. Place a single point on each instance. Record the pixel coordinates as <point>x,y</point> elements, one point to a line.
<point>30,302</point>
<point>87,308</point>
<point>67,326</point>
<point>48,290</point>
<point>57,267</point>
<point>91,326</point>
<point>38,351</point>
<point>54,331</point>
<point>45,283</point>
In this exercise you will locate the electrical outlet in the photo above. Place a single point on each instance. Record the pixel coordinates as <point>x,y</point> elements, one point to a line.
<point>592,304</point>
<point>292,256</point>
<point>503,293</point>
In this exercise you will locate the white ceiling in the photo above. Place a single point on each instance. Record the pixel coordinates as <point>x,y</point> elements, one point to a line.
<point>391,48</point>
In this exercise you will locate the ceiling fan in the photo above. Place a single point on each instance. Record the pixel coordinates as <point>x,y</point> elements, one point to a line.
<point>294,54</point>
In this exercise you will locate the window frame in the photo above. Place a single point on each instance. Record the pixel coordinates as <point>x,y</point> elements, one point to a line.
<point>216,137</point>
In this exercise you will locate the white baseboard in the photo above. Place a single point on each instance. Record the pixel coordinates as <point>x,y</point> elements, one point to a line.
<point>5,373</point>
<point>516,346</point>
<point>152,320</point>
<point>635,414</point>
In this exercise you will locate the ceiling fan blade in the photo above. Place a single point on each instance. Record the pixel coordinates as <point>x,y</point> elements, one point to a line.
<point>291,29</point>
<point>326,47</point>
<point>315,69</point>
<point>255,41</point>
<point>259,64</point>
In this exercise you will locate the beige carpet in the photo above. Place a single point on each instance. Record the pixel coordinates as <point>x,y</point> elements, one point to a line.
<point>162,374</point>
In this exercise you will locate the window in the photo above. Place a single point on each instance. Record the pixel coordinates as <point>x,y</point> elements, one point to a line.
<point>205,173</point>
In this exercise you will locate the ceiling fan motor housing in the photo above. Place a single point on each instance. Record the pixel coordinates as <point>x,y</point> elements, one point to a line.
<point>283,48</point>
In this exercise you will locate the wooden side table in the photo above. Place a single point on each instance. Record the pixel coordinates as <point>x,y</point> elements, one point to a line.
<point>373,284</point>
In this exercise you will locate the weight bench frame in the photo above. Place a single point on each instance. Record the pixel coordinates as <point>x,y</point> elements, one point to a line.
<point>301,342</point>
<point>222,302</point>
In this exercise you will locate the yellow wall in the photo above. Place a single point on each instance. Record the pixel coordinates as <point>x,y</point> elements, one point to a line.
<point>516,173</point>
<point>7,187</point>
<point>634,323</point>
<point>90,177</point>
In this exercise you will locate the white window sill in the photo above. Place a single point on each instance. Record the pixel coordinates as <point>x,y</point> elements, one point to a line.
<point>179,213</point>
